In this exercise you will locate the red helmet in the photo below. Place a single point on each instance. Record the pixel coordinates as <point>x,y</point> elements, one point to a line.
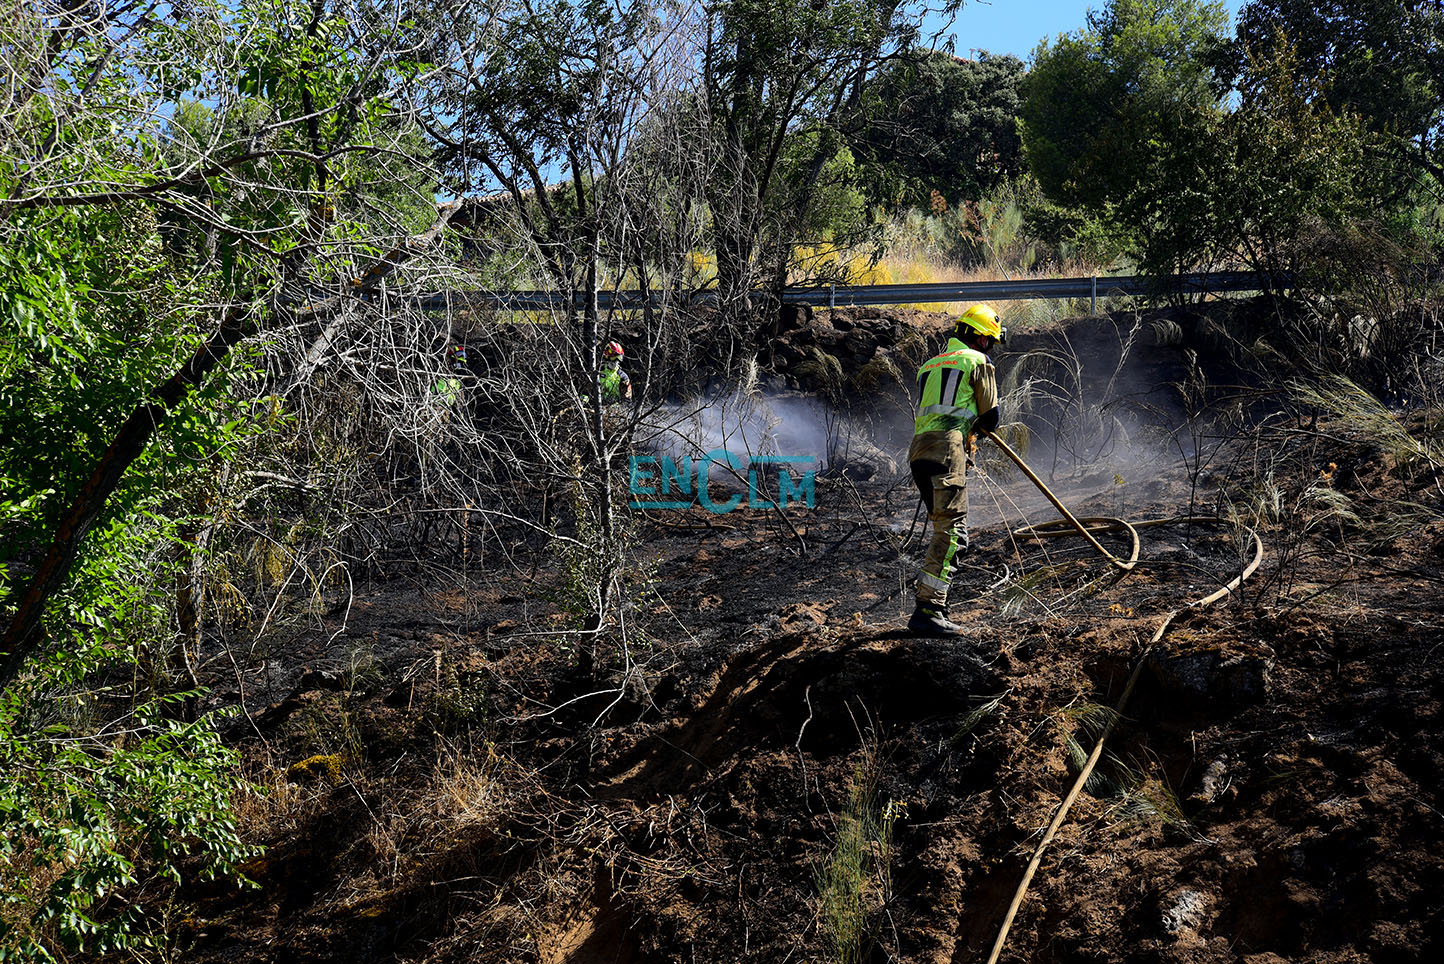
<point>613,350</point>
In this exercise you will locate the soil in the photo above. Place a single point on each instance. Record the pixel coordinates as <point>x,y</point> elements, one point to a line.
<point>684,786</point>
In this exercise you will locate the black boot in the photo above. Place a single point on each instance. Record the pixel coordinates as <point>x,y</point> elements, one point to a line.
<point>932,620</point>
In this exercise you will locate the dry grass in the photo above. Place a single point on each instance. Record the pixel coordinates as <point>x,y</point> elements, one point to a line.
<point>469,789</point>
<point>414,823</point>
<point>1364,414</point>
<point>271,805</point>
<point>907,261</point>
<point>909,270</point>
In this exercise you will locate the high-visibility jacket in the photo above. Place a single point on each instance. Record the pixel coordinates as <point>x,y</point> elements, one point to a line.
<point>614,383</point>
<point>946,399</point>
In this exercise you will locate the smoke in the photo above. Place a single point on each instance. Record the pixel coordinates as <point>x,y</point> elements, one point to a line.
<point>747,425</point>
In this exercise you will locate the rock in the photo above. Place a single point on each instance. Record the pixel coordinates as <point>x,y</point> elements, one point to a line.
<point>860,460</point>
<point>1209,676</point>
<point>834,351</point>
<point>1184,911</point>
<point>792,317</point>
<point>861,345</point>
<point>859,471</point>
<point>327,765</point>
<point>1215,782</point>
<point>787,355</point>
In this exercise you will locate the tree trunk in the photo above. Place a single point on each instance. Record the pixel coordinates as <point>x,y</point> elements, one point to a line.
<point>26,628</point>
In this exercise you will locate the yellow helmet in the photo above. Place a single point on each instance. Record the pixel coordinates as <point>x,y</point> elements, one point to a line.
<point>983,320</point>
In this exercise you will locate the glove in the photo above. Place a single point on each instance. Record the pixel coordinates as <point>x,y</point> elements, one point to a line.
<point>986,422</point>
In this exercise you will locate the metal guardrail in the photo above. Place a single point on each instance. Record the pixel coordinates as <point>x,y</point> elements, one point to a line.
<point>840,296</point>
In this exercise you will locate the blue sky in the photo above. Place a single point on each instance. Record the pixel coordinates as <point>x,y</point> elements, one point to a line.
<point>1016,26</point>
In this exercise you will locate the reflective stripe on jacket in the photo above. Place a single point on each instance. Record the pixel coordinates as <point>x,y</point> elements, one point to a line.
<point>945,390</point>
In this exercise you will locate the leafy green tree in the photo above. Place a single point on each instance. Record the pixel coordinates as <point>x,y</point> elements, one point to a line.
<point>1383,61</point>
<point>143,237</point>
<point>942,123</point>
<point>91,802</point>
<point>255,186</point>
<point>1286,161</point>
<point>770,72</point>
<point>1100,105</point>
<point>836,207</point>
<point>1143,120</point>
<point>1244,185</point>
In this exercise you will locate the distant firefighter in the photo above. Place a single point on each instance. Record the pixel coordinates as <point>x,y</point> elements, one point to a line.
<point>616,386</point>
<point>957,396</point>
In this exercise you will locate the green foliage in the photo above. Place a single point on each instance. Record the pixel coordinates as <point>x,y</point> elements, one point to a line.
<point>940,123</point>
<point>835,207</point>
<point>1121,126</point>
<point>146,188</point>
<point>1294,158</point>
<point>775,64</point>
<point>1126,130</point>
<point>1384,60</point>
<point>1280,161</point>
<point>772,72</point>
<point>1101,103</point>
<point>1011,228</point>
<point>86,330</point>
<point>996,228</point>
<point>856,881</point>
<point>87,816</point>
<point>550,108</point>
<point>94,797</point>
<point>1079,235</point>
<point>325,157</point>
<point>540,71</point>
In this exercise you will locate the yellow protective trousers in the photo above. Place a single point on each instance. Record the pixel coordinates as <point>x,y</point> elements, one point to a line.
<point>939,463</point>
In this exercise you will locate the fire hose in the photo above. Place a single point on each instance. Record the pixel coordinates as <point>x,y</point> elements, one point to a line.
<point>1067,526</point>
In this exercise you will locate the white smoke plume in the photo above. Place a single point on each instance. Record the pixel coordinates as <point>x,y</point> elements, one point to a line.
<point>745,424</point>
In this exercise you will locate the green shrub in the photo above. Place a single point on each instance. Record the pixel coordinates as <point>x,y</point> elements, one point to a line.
<point>85,819</point>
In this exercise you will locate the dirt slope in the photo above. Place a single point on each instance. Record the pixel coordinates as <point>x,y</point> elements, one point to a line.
<point>763,766</point>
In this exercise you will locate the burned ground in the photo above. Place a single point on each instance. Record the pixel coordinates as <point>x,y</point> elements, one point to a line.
<point>759,757</point>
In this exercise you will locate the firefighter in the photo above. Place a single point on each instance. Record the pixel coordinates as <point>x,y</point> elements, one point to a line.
<point>957,397</point>
<point>616,386</point>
